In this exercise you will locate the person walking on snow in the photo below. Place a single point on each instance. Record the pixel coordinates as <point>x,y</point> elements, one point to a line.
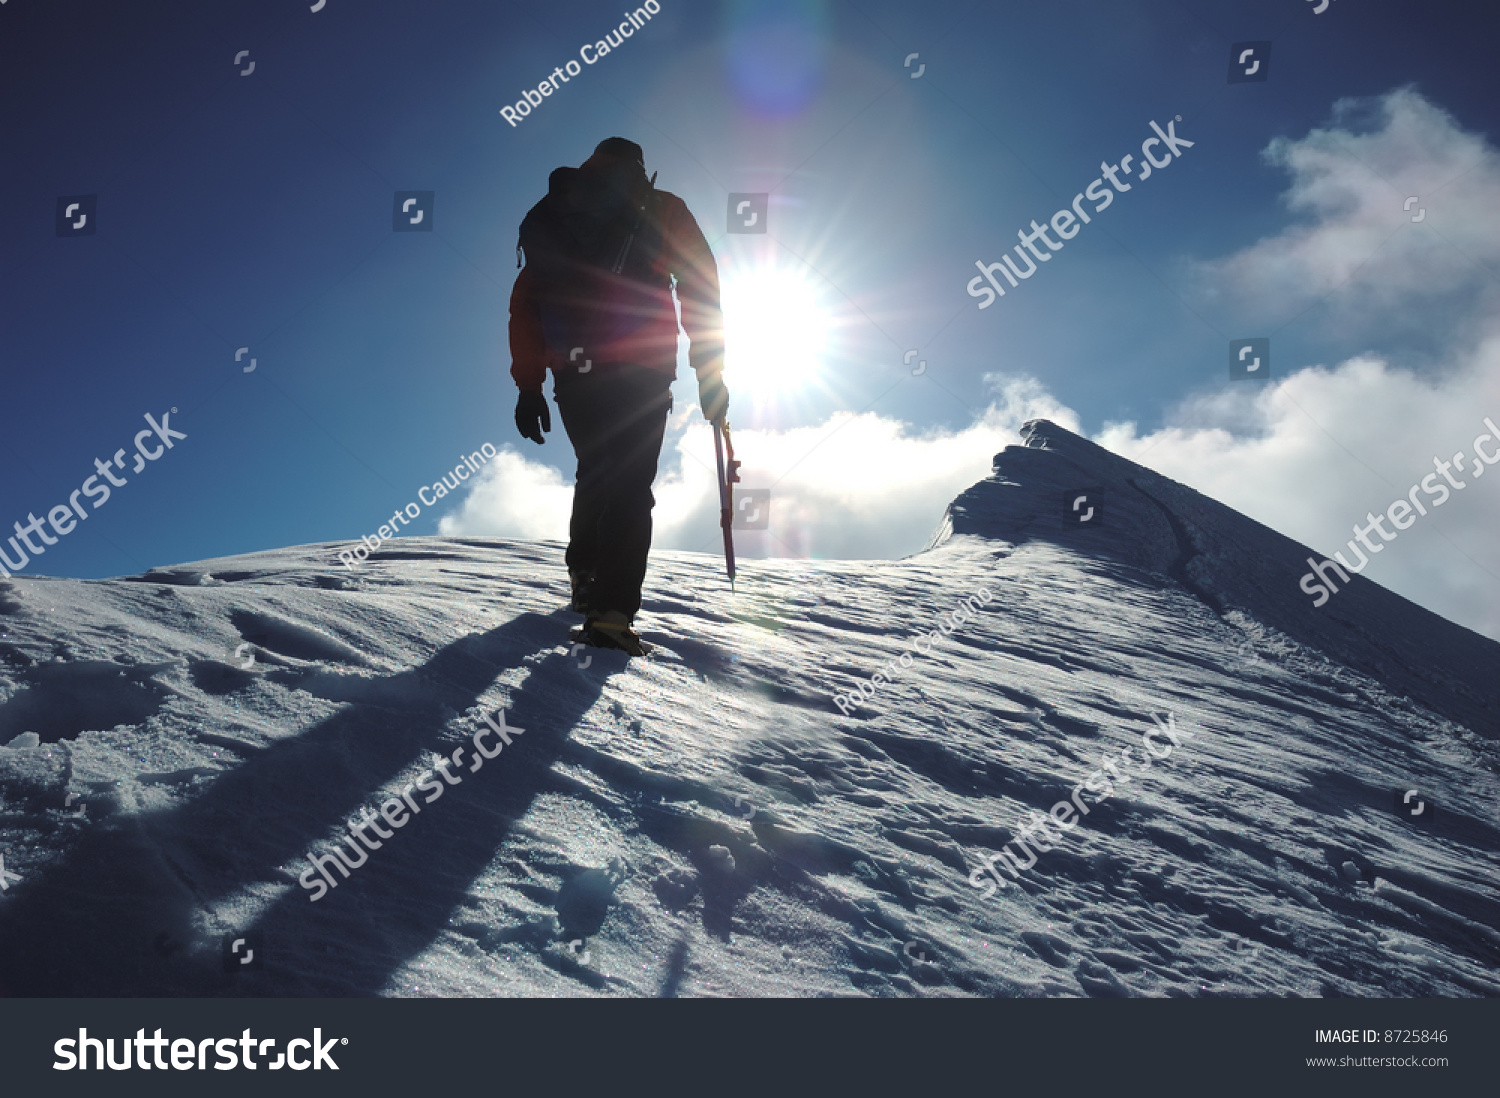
<point>594,304</point>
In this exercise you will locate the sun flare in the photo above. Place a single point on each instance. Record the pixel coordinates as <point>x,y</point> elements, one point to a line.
<point>776,330</point>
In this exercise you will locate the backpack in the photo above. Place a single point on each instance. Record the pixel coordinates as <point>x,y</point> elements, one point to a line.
<point>593,245</point>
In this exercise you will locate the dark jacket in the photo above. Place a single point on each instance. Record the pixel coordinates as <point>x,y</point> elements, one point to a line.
<point>631,320</point>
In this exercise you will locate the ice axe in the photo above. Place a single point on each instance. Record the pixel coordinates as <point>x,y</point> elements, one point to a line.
<point>726,490</point>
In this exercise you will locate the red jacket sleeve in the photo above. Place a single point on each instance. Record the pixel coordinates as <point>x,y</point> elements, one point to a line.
<point>528,349</point>
<point>692,263</point>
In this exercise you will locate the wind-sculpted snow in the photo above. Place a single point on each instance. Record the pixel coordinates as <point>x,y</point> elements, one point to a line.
<point>706,821</point>
<point>1231,563</point>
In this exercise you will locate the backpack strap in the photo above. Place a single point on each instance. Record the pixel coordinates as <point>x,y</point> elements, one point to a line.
<point>650,204</point>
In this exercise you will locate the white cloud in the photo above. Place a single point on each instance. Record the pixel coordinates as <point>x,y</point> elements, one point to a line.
<point>1334,445</point>
<point>857,486</point>
<point>1318,450</point>
<point>1357,242</point>
<point>513,498</point>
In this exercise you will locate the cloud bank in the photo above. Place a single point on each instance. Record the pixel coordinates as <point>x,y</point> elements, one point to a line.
<point>858,486</point>
<point>1309,454</point>
<point>1314,453</point>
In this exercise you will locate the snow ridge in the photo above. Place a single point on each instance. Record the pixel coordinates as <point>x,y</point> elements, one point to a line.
<point>707,821</point>
<point>1231,563</point>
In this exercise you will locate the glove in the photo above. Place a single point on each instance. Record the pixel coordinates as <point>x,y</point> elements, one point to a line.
<point>713,396</point>
<point>533,417</point>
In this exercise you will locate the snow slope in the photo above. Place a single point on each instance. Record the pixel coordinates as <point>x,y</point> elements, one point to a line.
<point>707,822</point>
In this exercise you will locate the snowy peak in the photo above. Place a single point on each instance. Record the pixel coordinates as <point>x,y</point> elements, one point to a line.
<point>1065,490</point>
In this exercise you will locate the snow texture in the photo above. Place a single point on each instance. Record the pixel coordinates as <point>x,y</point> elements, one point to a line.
<point>707,821</point>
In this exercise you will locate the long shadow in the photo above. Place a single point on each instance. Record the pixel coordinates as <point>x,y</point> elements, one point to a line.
<point>677,961</point>
<point>121,914</point>
<point>396,905</point>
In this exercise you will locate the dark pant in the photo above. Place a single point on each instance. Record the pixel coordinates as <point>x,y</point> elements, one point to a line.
<point>616,418</point>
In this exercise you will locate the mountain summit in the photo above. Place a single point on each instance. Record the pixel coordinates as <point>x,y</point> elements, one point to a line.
<point>1232,564</point>
<point>798,793</point>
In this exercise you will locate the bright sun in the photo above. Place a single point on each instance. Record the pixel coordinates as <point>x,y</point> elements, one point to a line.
<point>775,330</point>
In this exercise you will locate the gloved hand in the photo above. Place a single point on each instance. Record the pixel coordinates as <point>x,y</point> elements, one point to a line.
<point>533,417</point>
<point>713,396</point>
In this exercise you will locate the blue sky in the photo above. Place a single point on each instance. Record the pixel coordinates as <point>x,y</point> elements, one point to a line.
<point>256,211</point>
